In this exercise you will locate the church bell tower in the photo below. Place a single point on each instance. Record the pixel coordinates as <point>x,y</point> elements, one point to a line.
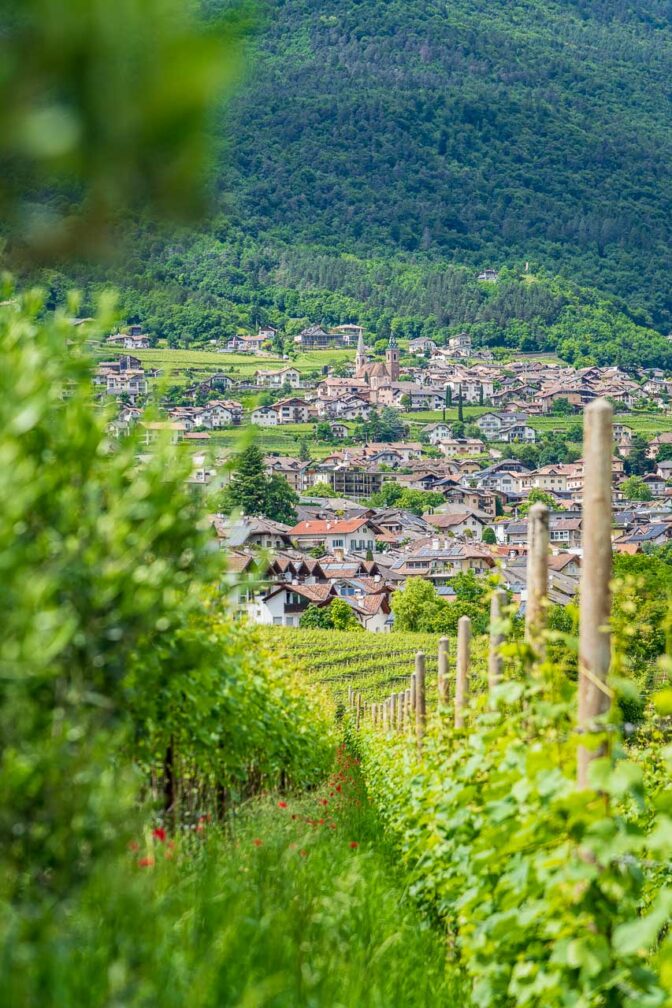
<point>360,359</point>
<point>392,359</point>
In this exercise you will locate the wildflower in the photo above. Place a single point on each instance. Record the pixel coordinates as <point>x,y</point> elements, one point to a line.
<point>257,842</point>
<point>354,844</point>
<point>324,802</point>
<point>282,804</point>
<point>303,853</point>
<point>133,845</point>
<point>339,787</point>
<point>168,854</point>
<point>159,834</point>
<point>146,862</point>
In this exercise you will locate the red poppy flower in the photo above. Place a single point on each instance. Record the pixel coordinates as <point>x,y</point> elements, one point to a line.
<point>133,845</point>
<point>354,844</point>
<point>257,842</point>
<point>282,804</point>
<point>339,787</point>
<point>324,801</point>
<point>303,853</point>
<point>145,862</point>
<point>159,834</point>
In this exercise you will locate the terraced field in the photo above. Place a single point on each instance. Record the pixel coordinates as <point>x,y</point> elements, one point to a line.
<point>374,664</point>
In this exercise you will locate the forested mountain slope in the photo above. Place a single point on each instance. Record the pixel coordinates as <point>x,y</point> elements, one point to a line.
<point>380,152</point>
<point>482,131</point>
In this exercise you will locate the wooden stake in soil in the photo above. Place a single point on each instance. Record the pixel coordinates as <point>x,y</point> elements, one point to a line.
<point>350,696</point>
<point>414,687</point>
<point>442,680</point>
<point>408,703</point>
<point>386,715</point>
<point>537,576</point>
<point>495,660</point>
<point>462,672</point>
<point>400,710</point>
<point>420,701</point>
<point>595,609</point>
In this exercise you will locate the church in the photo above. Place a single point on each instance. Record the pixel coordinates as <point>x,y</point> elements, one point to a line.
<point>377,374</point>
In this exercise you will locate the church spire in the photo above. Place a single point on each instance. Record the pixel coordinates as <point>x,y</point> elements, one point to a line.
<point>360,359</point>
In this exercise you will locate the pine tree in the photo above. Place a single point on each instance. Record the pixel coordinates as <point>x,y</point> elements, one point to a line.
<point>281,500</point>
<point>254,492</point>
<point>247,489</point>
<point>460,407</point>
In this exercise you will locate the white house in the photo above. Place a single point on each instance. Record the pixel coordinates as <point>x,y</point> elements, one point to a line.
<point>265,416</point>
<point>354,535</point>
<point>276,379</point>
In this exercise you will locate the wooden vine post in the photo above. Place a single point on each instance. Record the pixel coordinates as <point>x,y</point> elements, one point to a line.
<point>495,660</point>
<point>595,607</point>
<point>400,710</point>
<point>462,670</point>
<point>537,576</point>
<point>442,680</point>
<point>420,699</point>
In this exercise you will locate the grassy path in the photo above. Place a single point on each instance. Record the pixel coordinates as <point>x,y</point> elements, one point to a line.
<point>300,908</point>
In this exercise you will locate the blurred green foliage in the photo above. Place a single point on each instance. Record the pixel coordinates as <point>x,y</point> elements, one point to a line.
<point>117,645</point>
<point>104,109</point>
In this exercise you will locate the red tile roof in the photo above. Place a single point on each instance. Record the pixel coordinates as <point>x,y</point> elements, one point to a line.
<point>308,528</point>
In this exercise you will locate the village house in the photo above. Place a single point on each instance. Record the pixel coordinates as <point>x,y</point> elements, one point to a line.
<point>277,379</point>
<point>464,523</point>
<point>437,432</point>
<point>454,447</point>
<point>298,474</point>
<point>284,604</point>
<point>248,343</point>
<point>132,339</point>
<point>354,535</point>
<point>421,345</point>
<point>252,531</point>
<point>292,410</point>
<point>460,343</point>
<point>439,559</point>
<point>317,338</point>
<point>265,416</point>
<point>338,430</point>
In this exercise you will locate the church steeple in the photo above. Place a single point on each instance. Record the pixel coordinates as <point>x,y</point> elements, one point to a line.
<point>392,359</point>
<point>361,359</point>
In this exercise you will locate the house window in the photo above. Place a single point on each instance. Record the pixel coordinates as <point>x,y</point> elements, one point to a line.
<point>277,621</point>
<point>337,543</point>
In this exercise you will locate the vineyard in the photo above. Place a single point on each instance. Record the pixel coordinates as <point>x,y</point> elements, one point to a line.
<point>373,664</point>
<point>299,818</point>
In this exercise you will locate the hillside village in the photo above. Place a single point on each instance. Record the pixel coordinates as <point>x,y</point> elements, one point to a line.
<point>379,505</point>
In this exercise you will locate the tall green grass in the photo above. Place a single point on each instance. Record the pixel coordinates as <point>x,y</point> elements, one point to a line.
<point>297,907</point>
